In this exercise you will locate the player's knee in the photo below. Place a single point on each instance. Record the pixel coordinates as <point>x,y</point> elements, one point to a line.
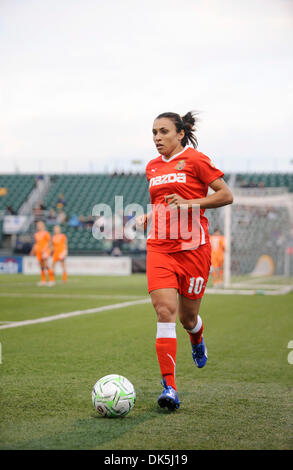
<point>165,311</point>
<point>189,322</point>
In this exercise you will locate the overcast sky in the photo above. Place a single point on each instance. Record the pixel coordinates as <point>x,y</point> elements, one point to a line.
<point>81,81</point>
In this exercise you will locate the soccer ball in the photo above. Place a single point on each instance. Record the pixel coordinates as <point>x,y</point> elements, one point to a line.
<point>113,396</point>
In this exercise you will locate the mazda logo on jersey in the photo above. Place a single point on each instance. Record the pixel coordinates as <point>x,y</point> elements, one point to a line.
<point>170,178</point>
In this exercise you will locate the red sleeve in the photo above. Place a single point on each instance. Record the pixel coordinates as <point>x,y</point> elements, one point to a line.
<point>147,171</point>
<point>205,169</point>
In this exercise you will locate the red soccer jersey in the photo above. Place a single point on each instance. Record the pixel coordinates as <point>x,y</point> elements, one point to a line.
<point>187,174</point>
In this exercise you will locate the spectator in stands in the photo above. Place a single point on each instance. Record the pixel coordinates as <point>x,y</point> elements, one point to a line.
<point>10,211</point>
<point>117,222</point>
<point>38,211</point>
<point>23,244</point>
<point>52,217</point>
<point>100,222</point>
<point>103,225</point>
<point>81,220</point>
<point>60,204</point>
<point>89,221</point>
<point>61,217</point>
<point>98,226</point>
<point>126,218</point>
<point>3,191</point>
<point>38,180</point>
<point>74,221</point>
<point>244,184</point>
<point>116,251</point>
<point>28,243</point>
<point>130,230</point>
<point>86,221</point>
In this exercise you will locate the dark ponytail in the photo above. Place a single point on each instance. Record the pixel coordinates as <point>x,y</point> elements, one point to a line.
<point>189,121</point>
<point>186,123</point>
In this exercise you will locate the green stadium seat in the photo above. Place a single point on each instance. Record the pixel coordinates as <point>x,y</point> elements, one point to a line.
<point>18,189</point>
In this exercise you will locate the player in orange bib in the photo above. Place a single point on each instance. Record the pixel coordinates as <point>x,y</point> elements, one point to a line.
<point>42,249</point>
<point>59,240</point>
<point>178,264</point>
<point>217,257</point>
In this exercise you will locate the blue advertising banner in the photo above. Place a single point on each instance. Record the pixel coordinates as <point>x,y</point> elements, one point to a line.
<point>10,264</point>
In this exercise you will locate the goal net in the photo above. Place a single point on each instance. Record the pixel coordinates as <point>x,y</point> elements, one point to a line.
<point>258,231</point>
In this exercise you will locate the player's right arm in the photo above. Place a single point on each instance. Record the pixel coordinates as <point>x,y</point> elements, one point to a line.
<point>143,220</point>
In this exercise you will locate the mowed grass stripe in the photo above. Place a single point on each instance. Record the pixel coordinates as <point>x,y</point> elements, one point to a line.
<point>62,316</point>
<point>32,308</point>
<point>79,293</point>
<point>68,296</point>
<point>242,399</point>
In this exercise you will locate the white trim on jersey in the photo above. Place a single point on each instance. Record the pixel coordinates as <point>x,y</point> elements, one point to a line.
<point>174,156</point>
<point>203,235</point>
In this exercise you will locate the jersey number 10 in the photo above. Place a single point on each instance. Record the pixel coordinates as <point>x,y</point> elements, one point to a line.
<point>195,285</point>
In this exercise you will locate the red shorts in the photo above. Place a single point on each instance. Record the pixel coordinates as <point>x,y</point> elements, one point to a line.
<point>187,271</point>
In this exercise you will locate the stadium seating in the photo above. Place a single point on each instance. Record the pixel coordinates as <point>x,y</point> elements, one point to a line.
<point>1,233</point>
<point>268,180</point>
<point>18,188</point>
<point>83,191</point>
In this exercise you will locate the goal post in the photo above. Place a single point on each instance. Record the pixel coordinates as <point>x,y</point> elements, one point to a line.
<point>227,235</point>
<point>258,231</point>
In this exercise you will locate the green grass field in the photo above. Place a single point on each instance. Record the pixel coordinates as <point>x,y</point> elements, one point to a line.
<point>242,399</point>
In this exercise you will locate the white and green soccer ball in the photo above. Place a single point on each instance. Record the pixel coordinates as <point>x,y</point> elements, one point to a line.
<point>113,396</point>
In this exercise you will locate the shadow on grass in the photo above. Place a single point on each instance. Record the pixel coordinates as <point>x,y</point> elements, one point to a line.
<point>91,432</point>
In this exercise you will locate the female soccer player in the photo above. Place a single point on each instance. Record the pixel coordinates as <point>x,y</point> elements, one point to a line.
<point>178,267</point>
<point>59,240</point>
<point>217,257</point>
<point>42,250</point>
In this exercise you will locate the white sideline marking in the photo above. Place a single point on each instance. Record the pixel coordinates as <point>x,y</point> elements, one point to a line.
<point>70,296</point>
<point>285,290</point>
<point>259,286</point>
<point>14,284</point>
<point>76,313</point>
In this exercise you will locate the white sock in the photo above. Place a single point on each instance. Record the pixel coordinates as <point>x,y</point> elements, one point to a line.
<point>197,326</point>
<point>166,330</point>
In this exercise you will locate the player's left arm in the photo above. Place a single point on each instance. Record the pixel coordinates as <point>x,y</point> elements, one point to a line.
<point>222,196</point>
